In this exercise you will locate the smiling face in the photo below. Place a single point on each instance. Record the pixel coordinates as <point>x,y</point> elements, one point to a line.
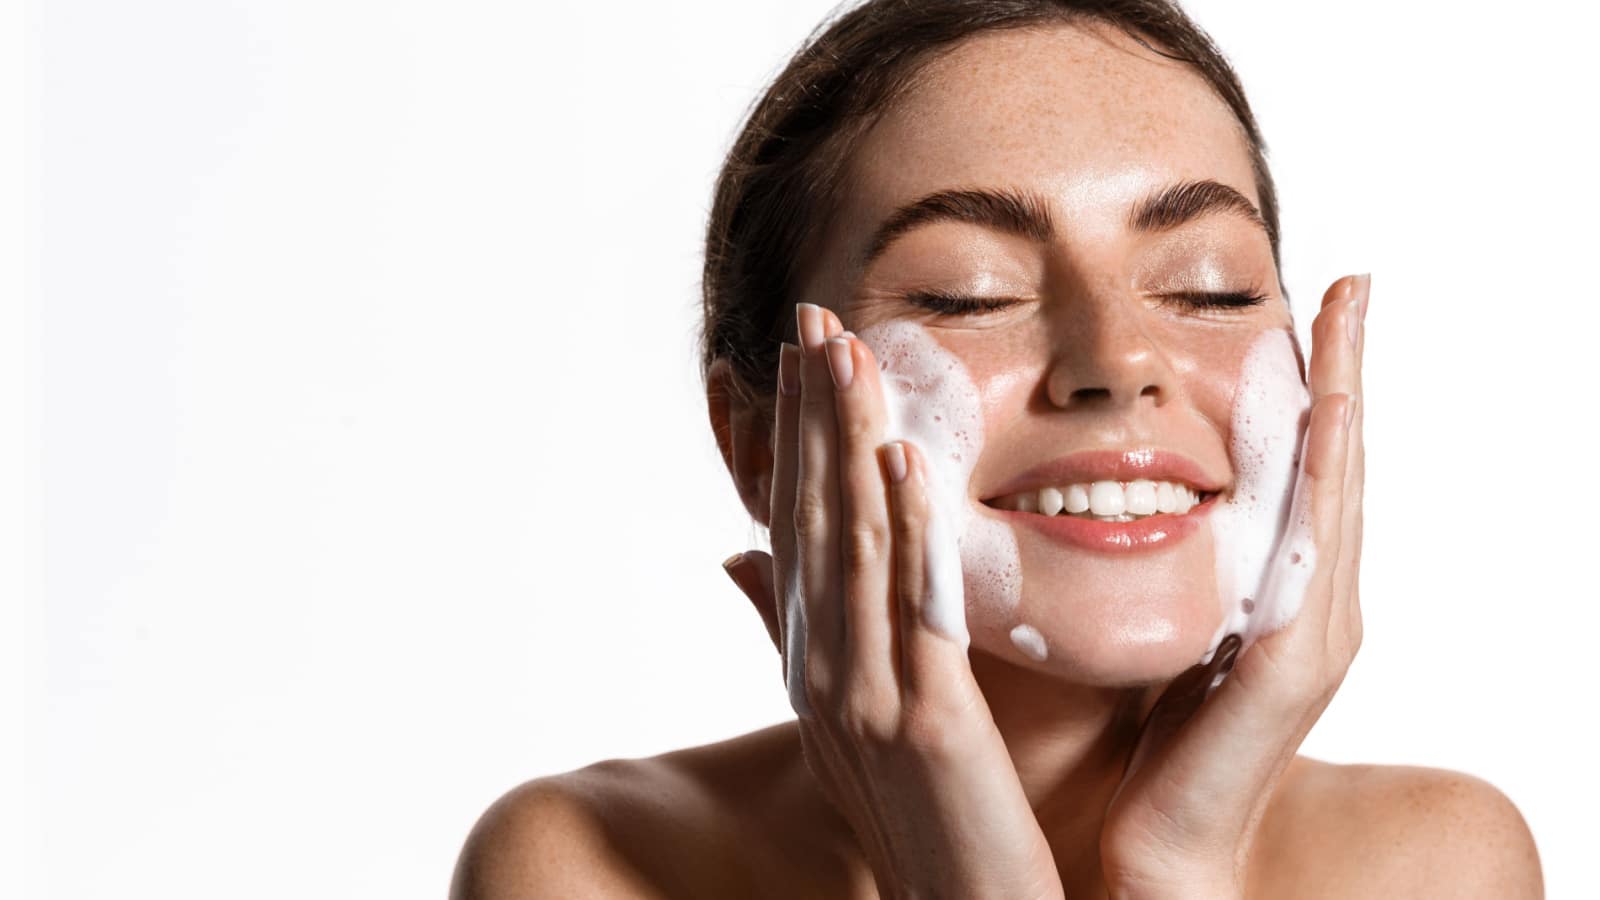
<point>1104,222</point>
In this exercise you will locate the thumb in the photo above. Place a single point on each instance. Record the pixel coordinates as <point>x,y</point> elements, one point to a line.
<point>751,571</point>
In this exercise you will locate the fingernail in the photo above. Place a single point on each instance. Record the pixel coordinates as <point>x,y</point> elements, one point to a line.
<point>789,370</point>
<point>839,362</point>
<point>729,563</point>
<point>1352,320</point>
<point>808,323</point>
<point>1231,655</point>
<point>1349,412</point>
<point>895,455</point>
<point>1363,290</point>
<point>848,334</point>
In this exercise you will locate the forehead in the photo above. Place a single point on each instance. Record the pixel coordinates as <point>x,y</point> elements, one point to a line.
<point>1082,114</point>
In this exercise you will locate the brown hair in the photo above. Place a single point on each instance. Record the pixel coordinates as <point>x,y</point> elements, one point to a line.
<point>779,185</point>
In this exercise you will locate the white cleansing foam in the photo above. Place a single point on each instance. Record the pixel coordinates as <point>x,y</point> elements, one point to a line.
<point>1262,531</point>
<point>794,650</point>
<point>1028,639</point>
<point>932,402</point>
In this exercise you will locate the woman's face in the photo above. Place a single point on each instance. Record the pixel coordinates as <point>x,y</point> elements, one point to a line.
<point>1094,360</point>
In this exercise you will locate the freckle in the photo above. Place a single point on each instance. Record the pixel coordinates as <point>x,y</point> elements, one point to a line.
<point>1294,558</point>
<point>883,365</point>
<point>938,418</point>
<point>1248,605</point>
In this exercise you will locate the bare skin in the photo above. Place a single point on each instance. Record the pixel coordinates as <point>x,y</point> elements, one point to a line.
<point>924,768</point>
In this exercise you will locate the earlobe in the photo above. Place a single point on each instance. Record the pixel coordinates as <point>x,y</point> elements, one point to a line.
<point>743,438</point>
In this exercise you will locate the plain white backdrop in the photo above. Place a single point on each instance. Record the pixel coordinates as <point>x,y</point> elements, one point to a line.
<point>367,468</point>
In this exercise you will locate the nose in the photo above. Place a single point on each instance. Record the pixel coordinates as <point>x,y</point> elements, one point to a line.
<point>1104,357</point>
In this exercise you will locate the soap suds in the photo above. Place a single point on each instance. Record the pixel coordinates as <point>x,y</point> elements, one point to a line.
<point>794,632</point>
<point>1262,531</point>
<point>932,402</point>
<point>1030,642</point>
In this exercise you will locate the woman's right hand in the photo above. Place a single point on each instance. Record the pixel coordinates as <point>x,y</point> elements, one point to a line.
<point>892,722</point>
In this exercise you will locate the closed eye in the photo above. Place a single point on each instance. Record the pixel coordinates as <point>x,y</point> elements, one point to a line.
<point>957,304</point>
<point>1209,300</point>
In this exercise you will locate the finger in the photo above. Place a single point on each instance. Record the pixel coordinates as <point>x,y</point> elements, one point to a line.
<point>816,503</point>
<point>864,507</point>
<point>785,471</point>
<point>751,572</point>
<point>1347,585</point>
<point>1236,742</point>
<point>1333,340</point>
<point>928,657</point>
<point>1275,683</point>
<point>1321,485</point>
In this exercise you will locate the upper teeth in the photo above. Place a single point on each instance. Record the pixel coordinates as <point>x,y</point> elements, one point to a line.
<point>1112,501</point>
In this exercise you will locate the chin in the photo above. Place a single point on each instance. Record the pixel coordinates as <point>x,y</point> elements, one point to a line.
<point>1120,639</point>
<point>1102,619</point>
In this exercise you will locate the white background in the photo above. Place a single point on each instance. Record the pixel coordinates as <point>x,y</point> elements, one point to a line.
<point>367,471</point>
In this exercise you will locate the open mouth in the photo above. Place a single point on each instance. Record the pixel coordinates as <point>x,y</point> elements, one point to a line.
<point>1106,501</point>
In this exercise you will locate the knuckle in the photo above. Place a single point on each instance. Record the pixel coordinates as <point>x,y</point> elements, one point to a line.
<point>909,603</point>
<point>810,515</point>
<point>862,720</point>
<point>864,545</point>
<point>818,682</point>
<point>856,431</point>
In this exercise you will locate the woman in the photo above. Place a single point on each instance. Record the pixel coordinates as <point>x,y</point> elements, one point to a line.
<point>996,347</point>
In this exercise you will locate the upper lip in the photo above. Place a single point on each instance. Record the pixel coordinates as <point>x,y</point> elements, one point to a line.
<point>1087,466</point>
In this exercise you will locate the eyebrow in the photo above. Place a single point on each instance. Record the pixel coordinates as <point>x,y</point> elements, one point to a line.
<point>1027,214</point>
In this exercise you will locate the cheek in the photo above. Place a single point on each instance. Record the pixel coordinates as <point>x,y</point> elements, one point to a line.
<point>933,402</point>
<point>1262,528</point>
<point>1208,370</point>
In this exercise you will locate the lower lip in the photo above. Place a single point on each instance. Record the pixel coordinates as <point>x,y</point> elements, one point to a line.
<point>1139,536</point>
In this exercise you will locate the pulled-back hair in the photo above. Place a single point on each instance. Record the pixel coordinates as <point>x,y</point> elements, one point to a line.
<point>780,185</point>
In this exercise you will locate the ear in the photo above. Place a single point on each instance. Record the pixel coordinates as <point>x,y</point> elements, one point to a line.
<point>744,437</point>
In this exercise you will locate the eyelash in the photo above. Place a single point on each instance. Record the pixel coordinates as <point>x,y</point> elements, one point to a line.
<point>1229,299</point>
<point>957,304</point>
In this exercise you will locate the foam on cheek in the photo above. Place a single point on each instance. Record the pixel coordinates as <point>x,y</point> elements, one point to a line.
<point>932,402</point>
<point>1262,531</point>
<point>1028,639</point>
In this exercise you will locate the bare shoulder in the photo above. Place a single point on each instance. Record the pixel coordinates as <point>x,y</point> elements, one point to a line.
<point>1396,831</point>
<point>691,823</point>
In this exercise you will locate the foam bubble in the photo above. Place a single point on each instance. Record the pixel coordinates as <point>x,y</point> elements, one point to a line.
<point>1030,642</point>
<point>1262,531</point>
<point>932,402</point>
<point>794,632</point>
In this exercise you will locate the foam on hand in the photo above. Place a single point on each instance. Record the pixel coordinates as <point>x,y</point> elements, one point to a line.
<point>794,651</point>
<point>931,401</point>
<point>1262,531</point>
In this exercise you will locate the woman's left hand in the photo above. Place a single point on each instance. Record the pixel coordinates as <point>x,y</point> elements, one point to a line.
<point>1185,818</point>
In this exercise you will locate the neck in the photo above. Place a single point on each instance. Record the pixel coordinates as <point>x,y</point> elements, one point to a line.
<point>1070,744</point>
